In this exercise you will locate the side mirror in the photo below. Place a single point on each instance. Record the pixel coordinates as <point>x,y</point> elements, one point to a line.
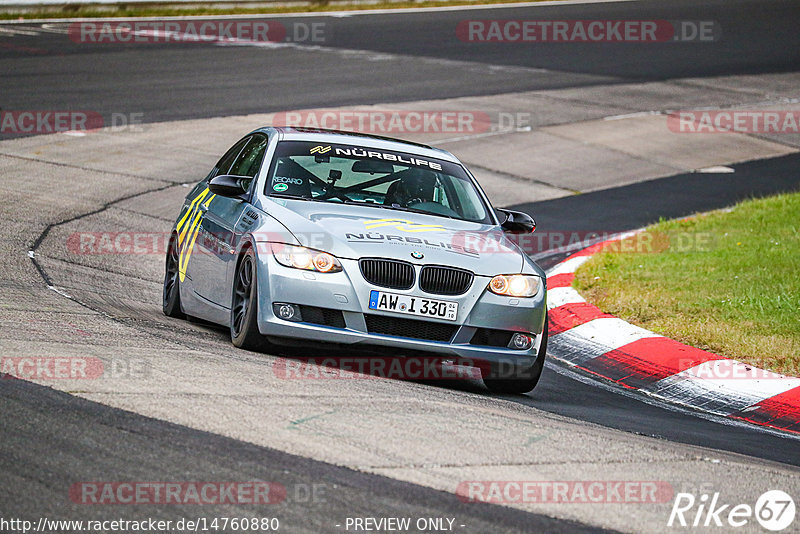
<point>228,185</point>
<point>516,222</point>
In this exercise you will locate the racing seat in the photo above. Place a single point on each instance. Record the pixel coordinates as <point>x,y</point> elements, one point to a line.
<point>294,177</point>
<point>414,185</point>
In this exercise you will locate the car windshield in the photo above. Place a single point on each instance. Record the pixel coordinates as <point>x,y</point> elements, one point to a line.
<point>374,177</point>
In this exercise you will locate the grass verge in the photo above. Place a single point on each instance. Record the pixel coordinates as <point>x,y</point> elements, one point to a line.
<point>176,10</point>
<point>727,281</point>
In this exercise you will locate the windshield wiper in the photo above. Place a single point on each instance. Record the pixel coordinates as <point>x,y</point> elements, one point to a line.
<point>360,203</point>
<point>415,210</point>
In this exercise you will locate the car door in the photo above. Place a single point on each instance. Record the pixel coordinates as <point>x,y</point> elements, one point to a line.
<point>218,230</point>
<point>195,257</point>
<point>193,266</point>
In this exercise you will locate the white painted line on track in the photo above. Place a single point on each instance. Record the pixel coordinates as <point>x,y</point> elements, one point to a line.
<point>370,55</point>
<point>485,134</point>
<point>16,31</point>
<point>632,115</point>
<point>53,28</point>
<point>717,169</point>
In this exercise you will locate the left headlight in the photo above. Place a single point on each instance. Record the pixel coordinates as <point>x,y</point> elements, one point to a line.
<point>515,285</point>
<point>305,258</point>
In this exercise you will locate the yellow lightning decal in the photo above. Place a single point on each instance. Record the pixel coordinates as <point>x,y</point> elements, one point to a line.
<point>188,227</point>
<point>403,225</point>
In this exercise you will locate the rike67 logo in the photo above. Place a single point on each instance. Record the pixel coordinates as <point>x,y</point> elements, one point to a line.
<point>774,510</point>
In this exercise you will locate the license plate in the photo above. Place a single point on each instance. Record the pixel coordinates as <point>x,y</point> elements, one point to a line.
<point>411,305</point>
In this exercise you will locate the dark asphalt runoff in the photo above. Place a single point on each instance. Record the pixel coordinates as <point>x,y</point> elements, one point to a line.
<point>49,436</point>
<point>637,205</point>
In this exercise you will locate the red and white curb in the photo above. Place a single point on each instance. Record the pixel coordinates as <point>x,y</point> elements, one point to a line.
<point>582,336</point>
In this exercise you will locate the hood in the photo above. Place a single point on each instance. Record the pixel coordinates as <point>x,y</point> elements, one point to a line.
<point>352,232</point>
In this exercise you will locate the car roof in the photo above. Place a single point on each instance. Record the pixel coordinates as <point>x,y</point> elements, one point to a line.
<point>319,135</point>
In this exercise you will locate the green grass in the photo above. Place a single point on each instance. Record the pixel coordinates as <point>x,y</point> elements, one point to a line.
<point>728,282</point>
<point>170,10</point>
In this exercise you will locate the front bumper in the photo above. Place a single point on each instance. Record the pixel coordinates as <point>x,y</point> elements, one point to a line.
<point>348,292</point>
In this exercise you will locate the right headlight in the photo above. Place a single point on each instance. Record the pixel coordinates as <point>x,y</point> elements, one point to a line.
<point>515,285</point>
<point>305,258</point>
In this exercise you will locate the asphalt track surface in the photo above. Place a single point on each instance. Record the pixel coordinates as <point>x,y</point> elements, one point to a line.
<point>180,81</point>
<point>138,448</point>
<point>671,197</point>
<point>193,81</point>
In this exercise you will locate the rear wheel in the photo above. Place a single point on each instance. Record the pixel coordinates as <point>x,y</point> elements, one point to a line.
<point>244,305</point>
<point>497,377</point>
<point>171,298</point>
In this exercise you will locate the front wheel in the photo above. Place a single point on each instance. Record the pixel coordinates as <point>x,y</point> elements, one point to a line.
<point>522,380</point>
<point>171,297</point>
<point>244,305</point>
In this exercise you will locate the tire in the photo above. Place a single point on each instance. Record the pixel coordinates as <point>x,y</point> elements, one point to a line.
<point>244,305</point>
<point>171,295</point>
<point>527,379</point>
